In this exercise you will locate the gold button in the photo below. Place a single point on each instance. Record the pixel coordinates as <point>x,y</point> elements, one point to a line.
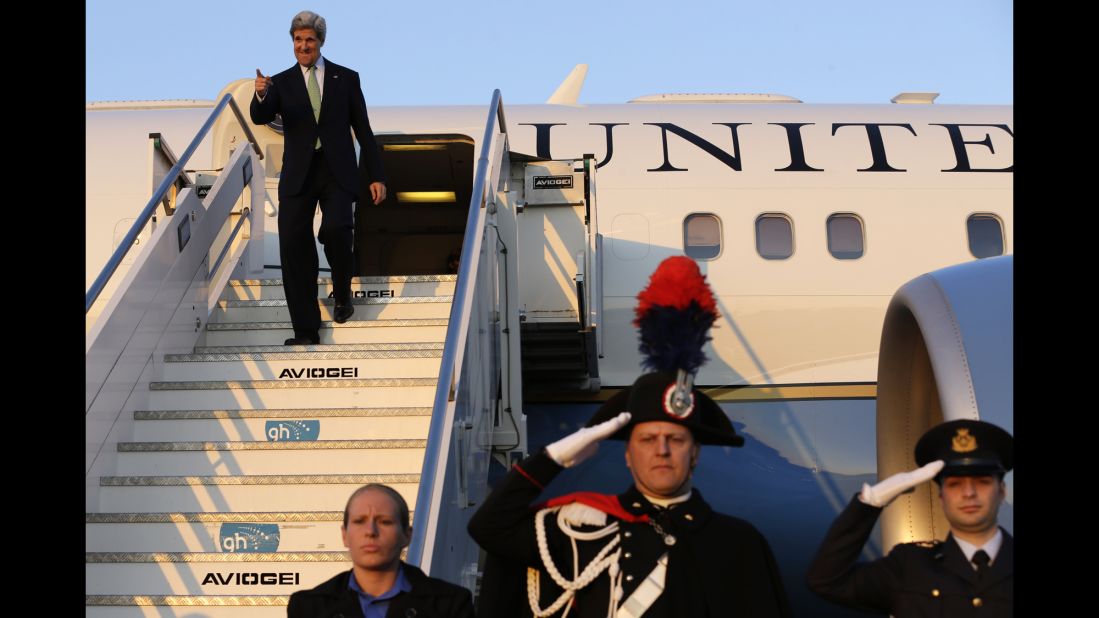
<point>629,578</point>
<point>688,517</point>
<point>934,592</point>
<point>636,505</point>
<point>628,534</point>
<point>627,555</point>
<point>977,602</point>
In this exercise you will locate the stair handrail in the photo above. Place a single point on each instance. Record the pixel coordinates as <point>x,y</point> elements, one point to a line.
<point>448,373</point>
<point>124,247</point>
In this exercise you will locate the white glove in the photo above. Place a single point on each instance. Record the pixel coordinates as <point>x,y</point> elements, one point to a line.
<point>579,446</point>
<point>884,492</point>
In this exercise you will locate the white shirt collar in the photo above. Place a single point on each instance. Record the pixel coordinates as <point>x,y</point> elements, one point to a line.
<point>992,547</point>
<point>664,502</point>
<point>320,68</point>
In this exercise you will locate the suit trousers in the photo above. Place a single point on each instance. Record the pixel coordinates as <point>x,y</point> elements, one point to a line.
<point>298,252</point>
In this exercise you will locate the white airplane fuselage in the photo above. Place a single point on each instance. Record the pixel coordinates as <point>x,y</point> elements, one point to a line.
<point>912,174</point>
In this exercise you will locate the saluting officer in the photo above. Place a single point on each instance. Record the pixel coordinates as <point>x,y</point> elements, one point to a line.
<point>657,550</point>
<point>971,573</point>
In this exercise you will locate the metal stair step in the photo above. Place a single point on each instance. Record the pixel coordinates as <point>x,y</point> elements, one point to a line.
<point>213,606</point>
<point>175,573</point>
<point>292,393</point>
<point>237,532</point>
<point>361,287</point>
<point>231,458</point>
<point>291,362</point>
<point>431,330</point>
<point>237,425</point>
<point>251,492</point>
<point>366,309</point>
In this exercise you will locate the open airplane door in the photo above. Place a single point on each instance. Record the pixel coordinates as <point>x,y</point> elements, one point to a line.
<point>559,285</point>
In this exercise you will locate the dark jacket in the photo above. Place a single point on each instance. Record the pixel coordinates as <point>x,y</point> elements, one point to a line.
<point>718,566</point>
<point>429,598</point>
<point>342,108</point>
<point>915,579</point>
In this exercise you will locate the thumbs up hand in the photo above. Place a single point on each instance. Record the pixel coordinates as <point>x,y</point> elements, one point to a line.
<point>261,84</point>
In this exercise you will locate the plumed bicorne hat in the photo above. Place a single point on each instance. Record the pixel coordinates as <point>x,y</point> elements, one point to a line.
<point>673,315</point>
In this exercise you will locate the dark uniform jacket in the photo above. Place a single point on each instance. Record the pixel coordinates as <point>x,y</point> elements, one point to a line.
<point>718,566</point>
<point>342,108</point>
<point>429,598</point>
<point>915,579</point>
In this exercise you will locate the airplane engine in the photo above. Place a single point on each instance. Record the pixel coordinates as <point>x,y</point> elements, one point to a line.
<point>946,354</point>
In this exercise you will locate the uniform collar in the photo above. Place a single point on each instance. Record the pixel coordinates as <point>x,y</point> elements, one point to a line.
<point>686,514</point>
<point>991,547</point>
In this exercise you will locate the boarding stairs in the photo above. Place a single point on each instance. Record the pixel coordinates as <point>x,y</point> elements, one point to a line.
<point>243,459</point>
<point>218,460</point>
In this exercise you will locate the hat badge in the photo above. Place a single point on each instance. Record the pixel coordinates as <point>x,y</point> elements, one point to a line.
<point>676,404</point>
<point>963,442</point>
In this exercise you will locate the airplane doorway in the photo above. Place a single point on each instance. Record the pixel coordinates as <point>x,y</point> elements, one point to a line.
<point>418,229</point>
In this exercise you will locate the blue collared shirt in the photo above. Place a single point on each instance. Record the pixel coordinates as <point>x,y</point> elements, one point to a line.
<point>376,607</point>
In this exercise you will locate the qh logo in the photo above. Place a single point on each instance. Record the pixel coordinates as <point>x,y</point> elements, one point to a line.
<point>241,538</point>
<point>292,431</point>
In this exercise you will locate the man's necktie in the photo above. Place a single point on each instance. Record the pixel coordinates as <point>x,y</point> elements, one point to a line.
<point>981,559</point>
<point>315,98</point>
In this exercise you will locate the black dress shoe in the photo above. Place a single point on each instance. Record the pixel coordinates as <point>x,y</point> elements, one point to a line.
<point>302,341</point>
<point>342,312</point>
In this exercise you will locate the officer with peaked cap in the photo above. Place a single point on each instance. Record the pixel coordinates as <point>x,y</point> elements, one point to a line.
<point>658,549</point>
<point>971,573</point>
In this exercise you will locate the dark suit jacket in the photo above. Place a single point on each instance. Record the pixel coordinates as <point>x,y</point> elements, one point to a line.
<point>429,598</point>
<point>719,565</point>
<point>342,108</point>
<point>915,579</point>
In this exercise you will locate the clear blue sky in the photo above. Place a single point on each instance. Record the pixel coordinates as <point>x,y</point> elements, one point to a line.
<point>414,52</point>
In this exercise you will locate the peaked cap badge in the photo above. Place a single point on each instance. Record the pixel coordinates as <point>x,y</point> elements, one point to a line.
<point>963,442</point>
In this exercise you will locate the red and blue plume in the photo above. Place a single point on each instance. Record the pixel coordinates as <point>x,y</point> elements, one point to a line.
<point>675,313</point>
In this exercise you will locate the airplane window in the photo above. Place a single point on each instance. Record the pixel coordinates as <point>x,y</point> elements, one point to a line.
<point>845,238</point>
<point>986,235</point>
<point>702,236</point>
<point>774,237</point>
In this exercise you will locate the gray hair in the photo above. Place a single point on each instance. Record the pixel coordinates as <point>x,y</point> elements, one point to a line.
<point>398,499</point>
<point>309,19</point>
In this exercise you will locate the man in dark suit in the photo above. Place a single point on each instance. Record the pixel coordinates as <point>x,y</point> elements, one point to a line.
<point>319,102</point>
<point>971,573</point>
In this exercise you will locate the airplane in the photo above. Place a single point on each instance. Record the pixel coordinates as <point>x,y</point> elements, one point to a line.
<point>860,255</point>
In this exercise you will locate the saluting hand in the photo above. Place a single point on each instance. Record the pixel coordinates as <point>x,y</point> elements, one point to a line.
<point>262,83</point>
<point>884,492</point>
<point>582,444</point>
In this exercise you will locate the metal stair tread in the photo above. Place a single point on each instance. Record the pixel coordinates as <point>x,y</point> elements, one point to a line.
<point>257,479</point>
<point>303,383</point>
<point>180,600</point>
<point>296,353</point>
<point>370,279</point>
<point>225,445</point>
<point>322,347</point>
<point>166,415</point>
<point>126,557</point>
<point>281,302</point>
<point>393,323</point>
